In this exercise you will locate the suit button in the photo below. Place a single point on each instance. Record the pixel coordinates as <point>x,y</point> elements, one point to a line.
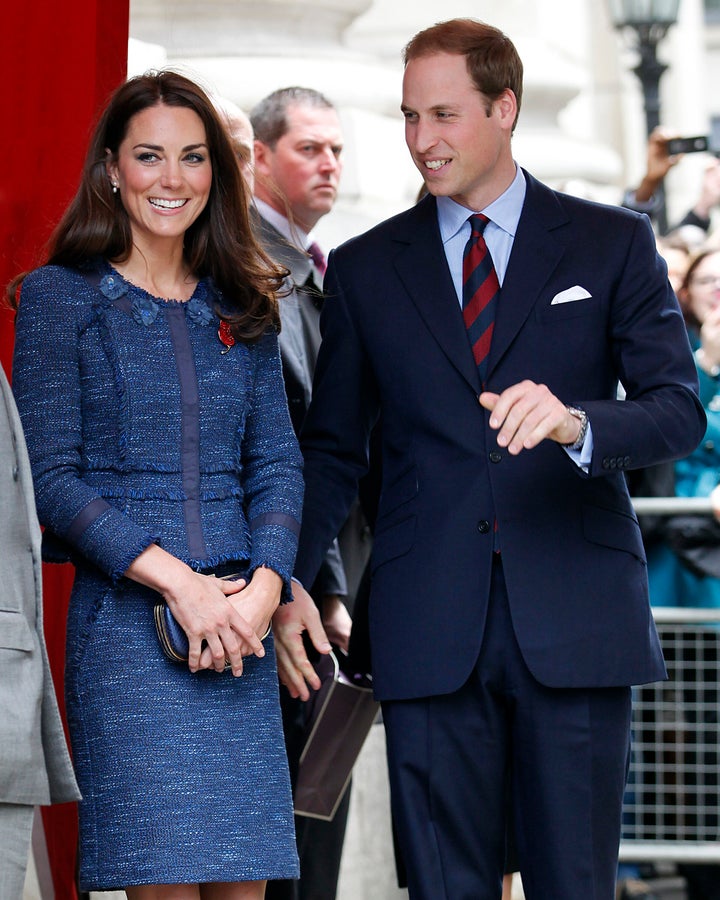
<point>626,461</point>
<point>613,463</point>
<point>483,526</point>
<point>15,473</point>
<point>495,456</point>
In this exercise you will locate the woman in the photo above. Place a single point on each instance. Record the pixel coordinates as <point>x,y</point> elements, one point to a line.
<point>678,578</point>
<point>148,380</point>
<point>684,570</point>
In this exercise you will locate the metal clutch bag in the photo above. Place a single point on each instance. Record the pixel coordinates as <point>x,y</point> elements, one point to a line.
<point>171,635</point>
<point>173,639</point>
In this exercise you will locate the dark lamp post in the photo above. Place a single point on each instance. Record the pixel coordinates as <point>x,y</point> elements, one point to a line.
<point>650,20</point>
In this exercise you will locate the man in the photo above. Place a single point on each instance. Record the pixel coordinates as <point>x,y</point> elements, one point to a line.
<point>646,197</point>
<point>35,766</point>
<point>241,135</point>
<point>509,612</point>
<point>298,162</point>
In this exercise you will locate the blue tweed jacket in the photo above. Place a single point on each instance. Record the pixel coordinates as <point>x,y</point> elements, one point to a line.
<point>143,427</point>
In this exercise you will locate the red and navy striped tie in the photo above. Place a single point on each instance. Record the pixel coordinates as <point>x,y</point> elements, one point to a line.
<point>480,293</point>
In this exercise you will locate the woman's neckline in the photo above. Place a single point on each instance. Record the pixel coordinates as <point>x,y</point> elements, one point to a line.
<point>156,297</point>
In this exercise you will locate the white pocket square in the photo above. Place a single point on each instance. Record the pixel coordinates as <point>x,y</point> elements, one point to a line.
<point>567,296</point>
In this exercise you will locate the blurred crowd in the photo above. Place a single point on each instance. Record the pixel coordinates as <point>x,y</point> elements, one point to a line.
<point>684,550</point>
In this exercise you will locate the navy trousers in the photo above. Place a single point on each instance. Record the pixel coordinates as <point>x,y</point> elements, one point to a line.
<point>562,752</point>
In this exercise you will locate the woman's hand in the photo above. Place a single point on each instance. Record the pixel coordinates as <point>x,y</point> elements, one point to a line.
<point>202,607</point>
<point>254,605</point>
<point>218,635</point>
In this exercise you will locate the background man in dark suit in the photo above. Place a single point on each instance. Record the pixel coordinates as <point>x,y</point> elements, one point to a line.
<point>298,162</point>
<point>509,612</point>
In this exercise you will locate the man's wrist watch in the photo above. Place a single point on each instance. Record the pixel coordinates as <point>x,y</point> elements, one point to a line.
<point>581,416</point>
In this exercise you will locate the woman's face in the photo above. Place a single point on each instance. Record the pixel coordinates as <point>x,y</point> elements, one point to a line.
<point>163,172</point>
<point>677,263</point>
<point>703,289</point>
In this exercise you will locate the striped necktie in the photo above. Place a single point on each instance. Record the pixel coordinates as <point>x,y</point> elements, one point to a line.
<point>480,293</point>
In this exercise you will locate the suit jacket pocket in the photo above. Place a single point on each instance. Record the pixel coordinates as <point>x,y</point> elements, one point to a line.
<point>401,490</point>
<point>613,528</point>
<point>392,541</point>
<point>558,312</point>
<point>15,633</point>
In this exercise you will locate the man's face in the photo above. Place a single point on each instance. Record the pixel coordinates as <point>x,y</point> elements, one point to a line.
<point>458,139</point>
<point>303,170</point>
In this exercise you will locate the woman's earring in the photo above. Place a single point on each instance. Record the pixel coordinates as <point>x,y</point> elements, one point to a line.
<point>114,187</point>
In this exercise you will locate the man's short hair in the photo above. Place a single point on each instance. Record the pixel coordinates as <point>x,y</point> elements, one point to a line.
<point>492,61</point>
<point>269,117</point>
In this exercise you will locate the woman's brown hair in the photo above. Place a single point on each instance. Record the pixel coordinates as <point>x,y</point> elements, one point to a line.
<point>220,243</point>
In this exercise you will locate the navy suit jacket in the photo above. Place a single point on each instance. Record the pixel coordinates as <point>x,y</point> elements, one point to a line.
<point>394,342</point>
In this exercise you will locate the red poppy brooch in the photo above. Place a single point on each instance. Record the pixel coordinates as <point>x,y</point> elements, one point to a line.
<point>226,336</point>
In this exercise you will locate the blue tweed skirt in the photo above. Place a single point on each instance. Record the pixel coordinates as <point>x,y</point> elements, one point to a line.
<point>184,777</point>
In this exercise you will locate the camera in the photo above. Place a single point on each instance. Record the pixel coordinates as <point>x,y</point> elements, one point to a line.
<point>699,144</point>
<point>688,145</point>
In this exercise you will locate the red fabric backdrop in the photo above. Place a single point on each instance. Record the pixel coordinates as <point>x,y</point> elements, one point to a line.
<point>58,63</point>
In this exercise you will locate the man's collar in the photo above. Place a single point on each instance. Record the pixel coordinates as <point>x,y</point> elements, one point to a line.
<point>291,232</point>
<point>504,211</point>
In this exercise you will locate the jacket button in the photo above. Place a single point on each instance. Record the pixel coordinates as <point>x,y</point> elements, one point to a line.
<point>483,526</point>
<point>15,473</point>
<point>495,456</point>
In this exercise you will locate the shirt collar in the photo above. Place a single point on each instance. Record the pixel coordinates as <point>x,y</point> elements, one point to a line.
<point>291,232</point>
<point>503,212</point>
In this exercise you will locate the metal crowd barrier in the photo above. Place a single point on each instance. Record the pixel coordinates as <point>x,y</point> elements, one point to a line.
<point>671,809</point>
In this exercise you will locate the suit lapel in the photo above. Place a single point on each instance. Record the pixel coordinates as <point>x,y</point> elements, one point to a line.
<point>422,268</point>
<point>535,255</point>
<point>281,250</point>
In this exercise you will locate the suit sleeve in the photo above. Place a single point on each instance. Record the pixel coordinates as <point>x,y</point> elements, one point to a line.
<point>336,431</point>
<point>661,417</point>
